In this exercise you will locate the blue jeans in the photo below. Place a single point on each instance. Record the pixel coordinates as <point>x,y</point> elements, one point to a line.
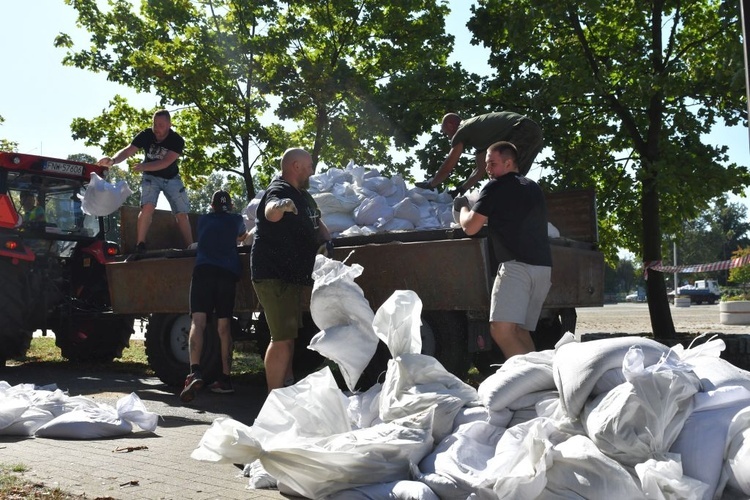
<point>173,189</point>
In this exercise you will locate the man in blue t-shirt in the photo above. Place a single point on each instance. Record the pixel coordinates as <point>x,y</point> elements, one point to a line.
<point>162,147</point>
<point>289,233</point>
<point>212,289</point>
<point>515,211</point>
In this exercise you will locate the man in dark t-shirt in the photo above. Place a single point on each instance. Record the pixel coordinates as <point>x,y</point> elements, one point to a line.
<point>478,133</point>
<point>288,234</point>
<point>515,211</point>
<point>162,147</point>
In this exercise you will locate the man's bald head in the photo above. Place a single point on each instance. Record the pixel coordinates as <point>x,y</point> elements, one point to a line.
<point>297,167</point>
<point>450,124</point>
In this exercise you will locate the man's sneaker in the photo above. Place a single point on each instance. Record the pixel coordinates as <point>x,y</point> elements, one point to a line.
<point>140,248</point>
<point>193,384</point>
<point>222,387</point>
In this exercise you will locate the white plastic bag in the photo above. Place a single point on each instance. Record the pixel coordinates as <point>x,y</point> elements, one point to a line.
<point>102,198</point>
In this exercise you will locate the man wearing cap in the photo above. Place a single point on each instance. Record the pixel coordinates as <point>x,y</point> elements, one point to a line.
<point>212,289</point>
<point>289,233</point>
<point>478,133</point>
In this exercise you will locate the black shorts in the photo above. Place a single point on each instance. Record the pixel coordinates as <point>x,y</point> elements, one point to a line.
<point>212,289</point>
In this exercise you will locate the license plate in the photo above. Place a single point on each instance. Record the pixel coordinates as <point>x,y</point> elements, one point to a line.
<point>63,168</point>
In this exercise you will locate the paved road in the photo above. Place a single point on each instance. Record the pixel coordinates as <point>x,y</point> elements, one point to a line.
<point>634,318</point>
<point>163,470</point>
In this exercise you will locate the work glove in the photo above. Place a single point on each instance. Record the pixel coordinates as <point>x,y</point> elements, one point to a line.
<point>326,249</point>
<point>424,184</point>
<point>459,191</point>
<point>459,202</point>
<point>285,204</point>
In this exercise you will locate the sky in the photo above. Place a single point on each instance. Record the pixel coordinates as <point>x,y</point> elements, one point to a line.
<point>39,97</point>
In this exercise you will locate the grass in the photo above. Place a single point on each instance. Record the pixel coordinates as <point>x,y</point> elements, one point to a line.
<point>13,486</point>
<point>246,364</point>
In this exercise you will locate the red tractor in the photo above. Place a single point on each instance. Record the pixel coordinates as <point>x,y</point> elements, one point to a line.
<point>52,257</point>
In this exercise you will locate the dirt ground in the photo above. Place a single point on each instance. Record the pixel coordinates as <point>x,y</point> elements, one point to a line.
<point>634,318</point>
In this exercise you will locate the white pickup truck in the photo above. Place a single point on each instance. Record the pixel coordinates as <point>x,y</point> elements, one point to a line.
<point>699,292</point>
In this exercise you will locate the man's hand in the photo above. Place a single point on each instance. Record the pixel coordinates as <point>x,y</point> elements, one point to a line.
<point>459,191</point>
<point>424,184</point>
<point>459,202</point>
<point>326,249</point>
<point>285,205</point>
<point>106,162</point>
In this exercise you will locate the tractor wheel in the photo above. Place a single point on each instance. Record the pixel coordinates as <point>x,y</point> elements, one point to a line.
<point>93,339</point>
<point>15,334</point>
<point>168,352</point>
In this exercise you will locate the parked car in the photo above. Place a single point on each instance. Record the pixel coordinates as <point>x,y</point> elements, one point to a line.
<point>639,296</point>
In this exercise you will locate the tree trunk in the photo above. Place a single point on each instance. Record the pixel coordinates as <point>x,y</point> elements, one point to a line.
<point>658,304</point>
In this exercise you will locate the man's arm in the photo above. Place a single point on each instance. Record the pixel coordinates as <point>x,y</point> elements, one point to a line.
<point>471,221</point>
<point>447,167</point>
<point>275,208</point>
<point>151,166</point>
<point>121,155</point>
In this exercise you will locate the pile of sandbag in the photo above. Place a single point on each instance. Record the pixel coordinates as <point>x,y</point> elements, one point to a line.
<point>359,201</point>
<point>27,410</point>
<point>613,418</point>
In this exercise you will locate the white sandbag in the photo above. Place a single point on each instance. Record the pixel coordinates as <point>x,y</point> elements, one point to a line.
<point>335,298</point>
<point>316,467</point>
<point>132,409</point>
<point>86,422</point>
<point>371,210</point>
<point>577,366</point>
<point>28,422</point>
<point>552,231</point>
<point>457,463</point>
<point>518,376</point>
<point>338,221</point>
<point>664,479</point>
<point>406,209</point>
<point>324,181</point>
<point>102,198</point>
<point>481,413</point>
<point>363,407</point>
<point>399,190</point>
<point>736,469</point>
<point>358,231</point>
<point>537,460</point>
<point>338,306</point>
<point>249,214</point>
<point>260,479</point>
<point>702,442</point>
<point>396,490</point>
<point>335,343</point>
<point>397,323</point>
<point>394,224</point>
<point>641,418</point>
<point>382,185</point>
<point>716,373</point>
<point>414,382</point>
<point>341,199</point>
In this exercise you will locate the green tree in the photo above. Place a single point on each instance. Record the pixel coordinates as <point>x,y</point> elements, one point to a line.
<point>5,144</point>
<point>624,92</point>
<point>740,276</point>
<point>349,78</point>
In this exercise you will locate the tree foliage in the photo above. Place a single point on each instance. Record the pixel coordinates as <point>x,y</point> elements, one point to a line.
<point>346,79</point>
<point>624,92</point>
<point>5,144</point>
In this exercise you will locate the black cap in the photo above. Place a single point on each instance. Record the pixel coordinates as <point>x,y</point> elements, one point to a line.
<point>221,201</point>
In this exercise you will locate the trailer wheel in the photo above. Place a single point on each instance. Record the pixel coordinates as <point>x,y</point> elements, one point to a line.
<point>168,352</point>
<point>449,339</point>
<point>94,339</point>
<point>15,336</point>
<point>305,361</point>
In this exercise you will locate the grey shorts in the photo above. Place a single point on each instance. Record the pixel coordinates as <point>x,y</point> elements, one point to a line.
<point>519,292</point>
<point>173,189</point>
